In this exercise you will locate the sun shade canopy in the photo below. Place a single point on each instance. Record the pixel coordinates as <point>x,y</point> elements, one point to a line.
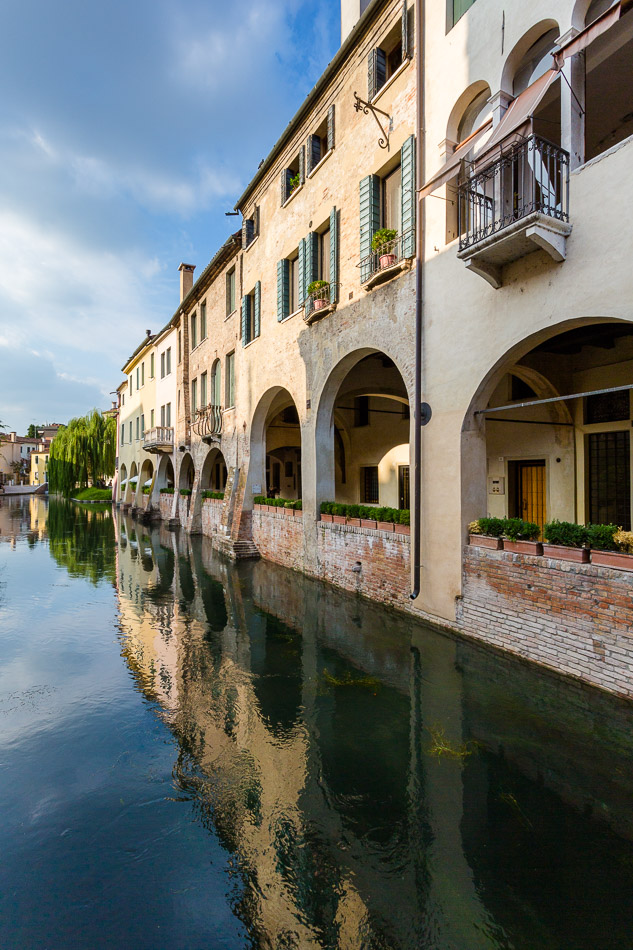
<point>584,39</point>
<point>450,167</point>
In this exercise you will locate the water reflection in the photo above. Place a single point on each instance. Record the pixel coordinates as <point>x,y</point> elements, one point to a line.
<point>379,785</point>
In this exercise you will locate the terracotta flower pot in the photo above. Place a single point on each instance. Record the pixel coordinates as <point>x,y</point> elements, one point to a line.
<point>403,529</point>
<point>483,541</point>
<point>564,553</point>
<point>523,547</point>
<point>385,526</point>
<point>327,519</point>
<point>623,562</point>
<point>298,513</point>
<point>353,522</point>
<point>367,523</point>
<point>387,260</point>
<point>338,519</point>
<point>319,303</point>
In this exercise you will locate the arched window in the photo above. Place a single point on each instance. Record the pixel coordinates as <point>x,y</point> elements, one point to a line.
<point>596,9</point>
<point>536,62</point>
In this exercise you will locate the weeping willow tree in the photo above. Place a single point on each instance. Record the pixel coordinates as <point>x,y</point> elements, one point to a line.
<point>82,453</point>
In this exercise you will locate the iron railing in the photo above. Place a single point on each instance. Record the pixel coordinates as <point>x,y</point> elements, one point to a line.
<point>159,435</point>
<point>530,177</point>
<point>319,299</point>
<point>401,248</point>
<point>208,421</point>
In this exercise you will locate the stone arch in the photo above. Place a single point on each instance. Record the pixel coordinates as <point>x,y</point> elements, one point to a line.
<point>273,402</point>
<point>146,475</point>
<point>214,471</point>
<point>521,48</point>
<point>560,433</point>
<point>165,473</point>
<point>467,97</point>
<point>132,485</point>
<point>123,483</point>
<point>186,472</point>
<point>388,387</point>
<point>581,10</point>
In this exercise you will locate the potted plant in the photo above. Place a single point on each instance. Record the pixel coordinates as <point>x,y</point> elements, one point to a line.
<point>380,240</point>
<point>294,183</point>
<point>609,546</point>
<point>322,298</point>
<point>566,540</point>
<point>486,533</point>
<point>521,537</point>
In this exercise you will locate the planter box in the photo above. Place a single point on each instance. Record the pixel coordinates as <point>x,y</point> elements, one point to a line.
<point>353,522</point>
<point>523,547</point>
<point>288,512</point>
<point>272,508</point>
<point>368,523</point>
<point>483,541</point>
<point>326,518</point>
<point>564,553</point>
<point>338,519</point>
<point>403,529</point>
<point>298,513</point>
<point>623,562</point>
<point>386,526</point>
<point>258,507</point>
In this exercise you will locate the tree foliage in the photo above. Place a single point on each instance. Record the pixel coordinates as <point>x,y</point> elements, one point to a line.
<point>82,453</point>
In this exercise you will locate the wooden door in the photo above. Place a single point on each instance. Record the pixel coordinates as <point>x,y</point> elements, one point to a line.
<point>531,502</point>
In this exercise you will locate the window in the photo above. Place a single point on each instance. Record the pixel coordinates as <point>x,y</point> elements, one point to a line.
<point>295,302</point>
<point>162,365</point>
<point>130,430</point>
<point>455,11</point>
<point>142,374</point>
<point>142,424</point>
<point>216,384</point>
<point>203,390</point>
<point>294,175</point>
<point>391,211</point>
<point>138,377</point>
<point>607,407</point>
<point>231,299</point>
<point>193,337</point>
<point>324,255</point>
<point>131,387</point>
<point>404,494</point>
<point>138,426</point>
<point>122,433</point>
<point>180,346</point>
<point>369,485</point>
<point>151,366</point>
<point>251,307</point>
<point>168,414</point>
<point>320,143</point>
<point>203,321</point>
<point>361,411</point>
<point>162,416</point>
<point>385,60</point>
<point>250,228</point>
<point>168,361</point>
<point>230,379</point>
<point>194,398</point>
<point>151,419</point>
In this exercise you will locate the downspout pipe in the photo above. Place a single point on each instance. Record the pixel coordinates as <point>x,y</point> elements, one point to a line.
<point>418,420</point>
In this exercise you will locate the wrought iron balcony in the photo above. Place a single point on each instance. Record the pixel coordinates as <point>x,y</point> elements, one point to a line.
<point>393,257</point>
<point>513,206</point>
<point>320,302</point>
<point>159,439</point>
<point>208,422</point>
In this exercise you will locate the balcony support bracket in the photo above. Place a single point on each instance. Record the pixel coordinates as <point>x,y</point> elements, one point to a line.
<point>360,105</point>
<point>488,271</point>
<point>551,240</point>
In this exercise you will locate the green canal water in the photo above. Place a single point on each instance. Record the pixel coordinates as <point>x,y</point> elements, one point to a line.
<point>195,754</point>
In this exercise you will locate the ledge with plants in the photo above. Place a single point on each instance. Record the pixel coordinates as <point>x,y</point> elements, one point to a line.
<point>383,243</point>
<point>511,534</point>
<point>367,516</point>
<point>214,495</point>
<point>185,492</point>
<point>292,508</point>
<point>167,491</point>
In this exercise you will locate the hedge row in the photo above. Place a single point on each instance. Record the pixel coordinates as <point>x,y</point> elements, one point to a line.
<point>167,491</point>
<point>368,512</point>
<point>297,505</point>
<point>212,494</point>
<point>600,537</point>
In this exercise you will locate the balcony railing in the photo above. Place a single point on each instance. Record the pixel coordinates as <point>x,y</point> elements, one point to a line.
<point>208,421</point>
<point>389,259</point>
<point>530,178</point>
<point>160,437</point>
<point>319,302</point>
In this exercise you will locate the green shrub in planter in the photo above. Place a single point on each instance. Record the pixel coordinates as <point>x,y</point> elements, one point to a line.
<point>146,489</point>
<point>317,285</point>
<point>167,491</point>
<point>492,527</point>
<point>353,511</point>
<point>516,529</point>
<point>185,491</point>
<point>259,500</point>
<point>208,493</point>
<point>600,537</point>
<point>566,533</point>
<point>405,516</point>
<point>381,237</point>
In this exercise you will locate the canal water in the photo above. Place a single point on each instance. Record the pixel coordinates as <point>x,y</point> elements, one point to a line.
<point>201,755</point>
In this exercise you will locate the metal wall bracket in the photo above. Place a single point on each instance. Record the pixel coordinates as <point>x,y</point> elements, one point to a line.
<point>366,107</point>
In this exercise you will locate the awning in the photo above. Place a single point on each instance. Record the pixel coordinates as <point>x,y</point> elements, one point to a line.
<point>450,167</point>
<point>124,482</point>
<point>148,482</point>
<point>134,478</point>
<point>518,114</point>
<point>584,39</point>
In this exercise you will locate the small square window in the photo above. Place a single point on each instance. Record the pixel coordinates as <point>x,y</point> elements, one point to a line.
<point>369,485</point>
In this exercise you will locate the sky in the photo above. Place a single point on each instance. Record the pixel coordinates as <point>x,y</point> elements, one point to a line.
<point>126,131</point>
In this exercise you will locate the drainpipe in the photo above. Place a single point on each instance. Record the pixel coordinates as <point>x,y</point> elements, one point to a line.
<point>420,418</point>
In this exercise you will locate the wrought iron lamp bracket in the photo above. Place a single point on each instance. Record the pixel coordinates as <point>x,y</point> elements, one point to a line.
<point>366,107</point>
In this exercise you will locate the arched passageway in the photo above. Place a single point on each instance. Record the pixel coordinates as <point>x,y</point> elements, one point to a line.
<point>276,445</point>
<point>568,459</point>
<point>123,483</point>
<point>132,483</point>
<point>146,477</point>
<point>165,473</point>
<point>363,428</point>
<point>214,472</point>
<point>187,472</point>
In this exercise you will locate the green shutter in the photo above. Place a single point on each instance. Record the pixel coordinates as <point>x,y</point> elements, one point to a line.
<point>407,161</point>
<point>330,128</point>
<point>245,321</point>
<point>376,71</point>
<point>333,256</point>
<point>314,152</point>
<point>311,259</point>
<point>285,185</point>
<point>302,165</point>
<point>369,220</point>
<point>257,309</point>
<point>405,31</point>
<point>302,271</point>
<point>283,289</point>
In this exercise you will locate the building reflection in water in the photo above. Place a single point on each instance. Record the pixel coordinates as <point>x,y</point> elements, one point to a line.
<point>379,784</point>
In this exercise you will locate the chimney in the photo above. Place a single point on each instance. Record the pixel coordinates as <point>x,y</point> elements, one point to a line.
<point>351,12</point>
<point>186,279</point>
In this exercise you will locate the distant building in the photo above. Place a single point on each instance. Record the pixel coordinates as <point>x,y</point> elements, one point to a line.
<point>15,455</point>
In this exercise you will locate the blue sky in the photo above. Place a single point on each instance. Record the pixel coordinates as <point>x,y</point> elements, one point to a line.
<point>126,131</point>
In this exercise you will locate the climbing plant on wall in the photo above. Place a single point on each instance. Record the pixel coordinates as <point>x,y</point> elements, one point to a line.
<point>82,453</point>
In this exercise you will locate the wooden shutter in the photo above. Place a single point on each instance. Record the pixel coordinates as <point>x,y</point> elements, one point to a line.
<point>245,318</point>
<point>369,220</point>
<point>408,196</point>
<point>330,128</point>
<point>286,175</point>
<point>314,152</point>
<point>333,256</point>
<point>302,165</point>
<point>257,309</point>
<point>405,31</point>
<point>283,289</point>
<point>302,271</point>
<point>376,71</point>
<point>311,268</point>
<point>248,229</point>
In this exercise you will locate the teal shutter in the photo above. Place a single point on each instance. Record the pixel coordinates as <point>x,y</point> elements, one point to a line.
<point>311,259</point>
<point>283,289</point>
<point>302,165</point>
<point>257,309</point>
<point>407,161</point>
<point>405,31</point>
<point>333,256</point>
<point>245,320</point>
<point>314,152</point>
<point>369,221</point>
<point>330,128</point>
<point>248,231</point>
<point>286,175</point>
<point>376,71</point>
<point>302,271</point>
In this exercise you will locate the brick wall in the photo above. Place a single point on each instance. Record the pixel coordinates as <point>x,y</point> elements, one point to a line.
<point>166,502</point>
<point>211,515</point>
<point>279,536</point>
<point>574,618</point>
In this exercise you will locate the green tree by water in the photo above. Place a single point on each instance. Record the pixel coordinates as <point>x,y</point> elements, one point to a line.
<point>82,540</point>
<point>82,453</point>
